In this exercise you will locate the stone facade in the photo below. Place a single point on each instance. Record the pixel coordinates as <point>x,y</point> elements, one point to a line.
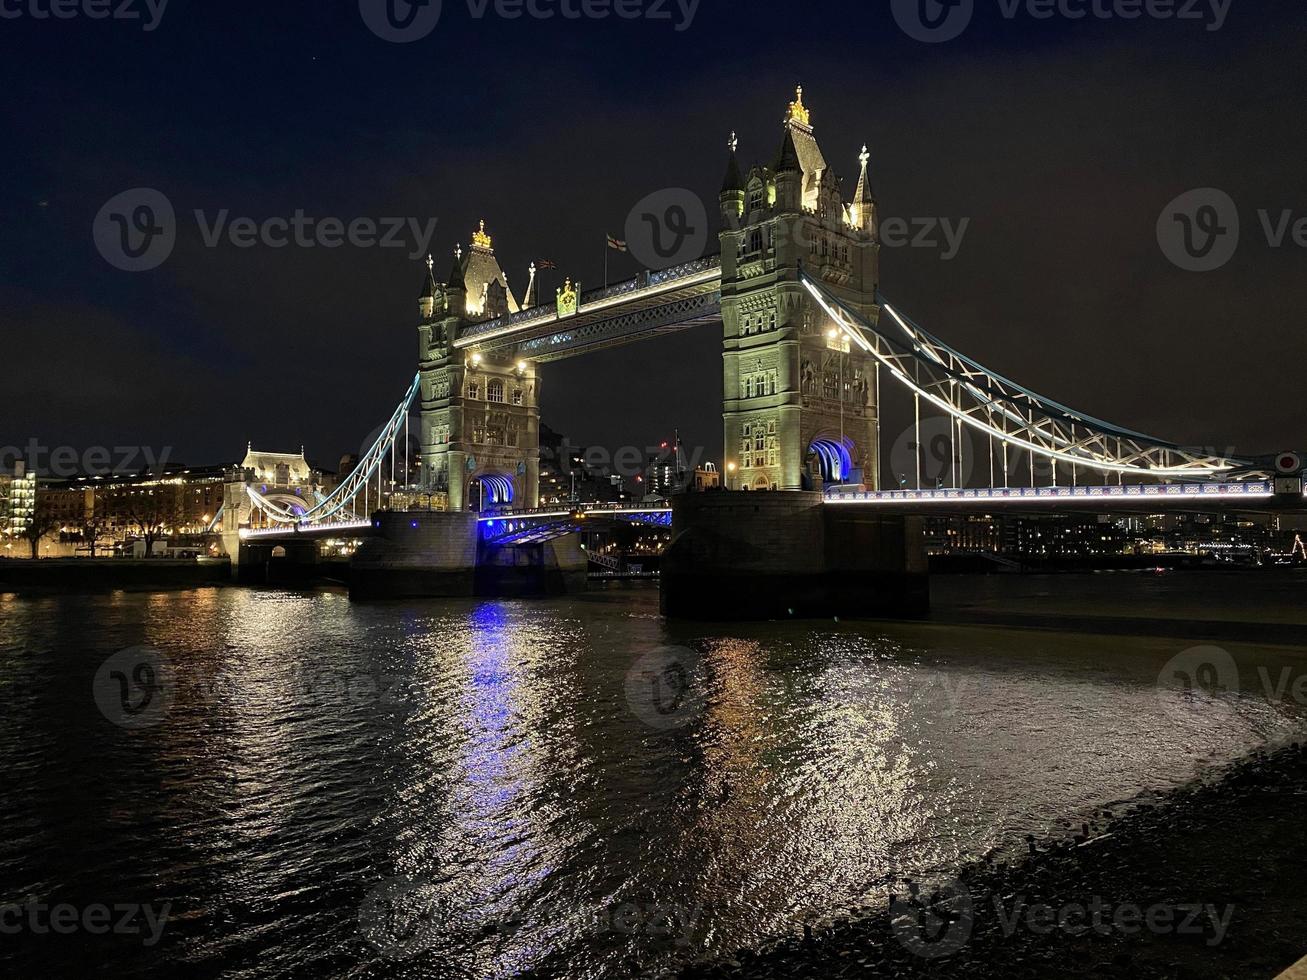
<point>784,374</point>
<point>480,431</point>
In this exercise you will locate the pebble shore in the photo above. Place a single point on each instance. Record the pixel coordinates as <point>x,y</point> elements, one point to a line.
<point>1216,870</point>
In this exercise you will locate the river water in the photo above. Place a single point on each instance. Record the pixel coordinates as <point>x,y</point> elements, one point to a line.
<point>295,785</point>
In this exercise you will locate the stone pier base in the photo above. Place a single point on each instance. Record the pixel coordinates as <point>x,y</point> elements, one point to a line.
<point>435,554</point>
<point>776,555</point>
<point>416,554</point>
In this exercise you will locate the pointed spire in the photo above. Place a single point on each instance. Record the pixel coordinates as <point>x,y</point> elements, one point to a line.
<point>864,194</point>
<point>429,286</point>
<point>456,274</point>
<point>733,182</point>
<point>787,160</point>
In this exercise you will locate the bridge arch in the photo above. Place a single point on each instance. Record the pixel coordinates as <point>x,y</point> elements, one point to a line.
<point>488,490</point>
<point>834,457</point>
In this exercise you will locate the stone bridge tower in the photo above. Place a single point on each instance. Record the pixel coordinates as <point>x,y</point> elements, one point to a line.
<point>480,415</point>
<point>800,408</point>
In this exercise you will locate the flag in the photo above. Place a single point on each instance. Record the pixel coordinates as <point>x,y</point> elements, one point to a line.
<point>546,264</point>
<point>616,243</point>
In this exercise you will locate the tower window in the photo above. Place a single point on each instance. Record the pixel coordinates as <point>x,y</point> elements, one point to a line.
<point>495,391</point>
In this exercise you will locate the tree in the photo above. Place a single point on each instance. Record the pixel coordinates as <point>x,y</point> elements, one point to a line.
<point>152,512</point>
<point>40,524</point>
<point>95,523</point>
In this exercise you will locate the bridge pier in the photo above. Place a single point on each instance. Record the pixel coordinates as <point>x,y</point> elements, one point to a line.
<point>276,563</point>
<point>557,567</point>
<point>783,554</point>
<point>416,554</point>
<point>440,554</point>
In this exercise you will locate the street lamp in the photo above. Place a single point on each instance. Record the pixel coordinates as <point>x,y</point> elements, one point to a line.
<point>730,476</point>
<point>834,335</point>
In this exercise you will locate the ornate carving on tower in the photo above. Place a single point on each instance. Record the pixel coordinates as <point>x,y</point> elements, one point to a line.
<point>480,239</point>
<point>568,298</point>
<point>798,111</point>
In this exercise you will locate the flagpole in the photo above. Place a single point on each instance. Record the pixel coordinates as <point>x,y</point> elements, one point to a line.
<point>605,260</point>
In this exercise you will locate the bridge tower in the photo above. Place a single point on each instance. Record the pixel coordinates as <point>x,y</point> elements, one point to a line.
<point>799,407</point>
<point>480,415</point>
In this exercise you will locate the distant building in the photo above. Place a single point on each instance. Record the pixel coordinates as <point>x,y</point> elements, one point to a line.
<point>17,500</point>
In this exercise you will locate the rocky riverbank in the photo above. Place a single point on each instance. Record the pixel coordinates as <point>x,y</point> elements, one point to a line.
<point>1208,882</point>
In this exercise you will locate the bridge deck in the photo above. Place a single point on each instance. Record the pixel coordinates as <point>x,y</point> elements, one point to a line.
<point>653,303</point>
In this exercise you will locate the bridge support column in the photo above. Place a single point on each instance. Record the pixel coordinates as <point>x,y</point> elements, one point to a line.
<point>427,553</point>
<point>781,555</point>
<point>557,567</point>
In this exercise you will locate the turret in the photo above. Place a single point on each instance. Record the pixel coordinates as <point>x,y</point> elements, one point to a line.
<point>863,209</point>
<point>456,289</point>
<point>733,192</point>
<point>789,176</point>
<point>427,298</point>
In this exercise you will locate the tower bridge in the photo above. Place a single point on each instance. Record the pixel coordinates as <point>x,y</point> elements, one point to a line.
<point>810,348</point>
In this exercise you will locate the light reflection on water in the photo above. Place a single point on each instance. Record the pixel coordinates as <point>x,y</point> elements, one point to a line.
<point>481,761</point>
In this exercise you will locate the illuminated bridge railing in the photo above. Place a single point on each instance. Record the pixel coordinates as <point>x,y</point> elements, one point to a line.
<point>545,524</point>
<point>326,529</point>
<point>1173,492</point>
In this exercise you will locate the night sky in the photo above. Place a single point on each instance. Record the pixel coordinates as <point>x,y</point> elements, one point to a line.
<point>1061,141</point>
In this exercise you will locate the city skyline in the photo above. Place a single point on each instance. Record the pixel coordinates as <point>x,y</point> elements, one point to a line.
<point>239,341</point>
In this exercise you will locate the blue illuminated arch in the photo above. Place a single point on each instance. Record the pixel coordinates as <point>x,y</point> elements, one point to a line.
<point>833,458</point>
